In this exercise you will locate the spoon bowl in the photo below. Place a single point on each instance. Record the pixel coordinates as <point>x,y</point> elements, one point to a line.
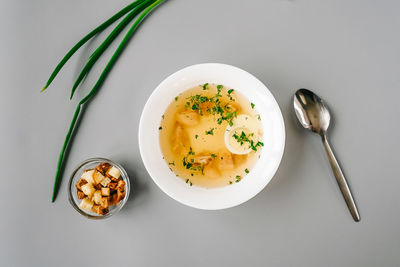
<point>311,111</point>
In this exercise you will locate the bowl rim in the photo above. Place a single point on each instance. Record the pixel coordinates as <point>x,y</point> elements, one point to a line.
<point>124,176</point>
<point>249,78</point>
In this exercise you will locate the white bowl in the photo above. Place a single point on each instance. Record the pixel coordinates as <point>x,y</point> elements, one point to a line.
<point>273,138</point>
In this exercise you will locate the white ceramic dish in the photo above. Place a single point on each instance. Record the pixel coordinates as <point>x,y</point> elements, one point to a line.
<point>273,128</point>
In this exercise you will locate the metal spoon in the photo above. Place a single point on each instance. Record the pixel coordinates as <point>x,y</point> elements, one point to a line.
<point>314,116</point>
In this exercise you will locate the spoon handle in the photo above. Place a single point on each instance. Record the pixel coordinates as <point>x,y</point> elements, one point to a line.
<point>341,180</point>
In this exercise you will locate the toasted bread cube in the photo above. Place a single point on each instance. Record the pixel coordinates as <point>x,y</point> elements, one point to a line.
<point>97,196</point>
<point>121,185</point>
<point>112,185</point>
<point>103,211</point>
<point>114,172</point>
<point>97,209</point>
<point>80,183</point>
<point>88,176</point>
<point>97,177</point>
<point>86,204</point>
<point>105,191</point>
<point>105,181</point>
<point>105,202</point>
<point>97,186</point>
<point>120,195</point>
<point>88,189</point>
<point>80,194</point>
<point>114,199</point>
<point>103,167</point>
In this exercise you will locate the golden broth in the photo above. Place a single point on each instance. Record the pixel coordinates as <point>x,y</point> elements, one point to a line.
<point>192,133</point>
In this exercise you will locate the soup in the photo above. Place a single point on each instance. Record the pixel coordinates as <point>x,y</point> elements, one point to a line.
<point>211,136</point>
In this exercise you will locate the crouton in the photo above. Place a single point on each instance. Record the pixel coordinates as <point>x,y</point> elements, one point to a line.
<point>97,196</point>
<point>80,194</point>
<point>80,183</point>
<point>105,191</point>
<point>97,177</point>
<point>88,189</point>
<point>114,172</point>
<point>88,176</point>
<point>105,202</point>
<point>103,167</point>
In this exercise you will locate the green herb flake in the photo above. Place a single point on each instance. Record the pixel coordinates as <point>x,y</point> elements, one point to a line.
<point>196,136</point>
<point>191,174</point>
<point>205,86</point>
<point>230,182</point>
<point>252,105</point>
<point>187,180</point>
<point>191,183</point>
<point>258,117</point>
<point>230,91</point>
<point>210,132</point>
<point>213,156</point>
<point>191,151</point>
<point>246,170</point>
<point>171,163</point>
<point>160,128</point>
<point>176,98</point>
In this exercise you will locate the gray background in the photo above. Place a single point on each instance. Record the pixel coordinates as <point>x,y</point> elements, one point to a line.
<point>347,51</point>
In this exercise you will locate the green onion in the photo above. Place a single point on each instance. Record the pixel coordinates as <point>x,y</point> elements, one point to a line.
<point>94,90</point>
<point>88,37</point>
<point>106,43</point>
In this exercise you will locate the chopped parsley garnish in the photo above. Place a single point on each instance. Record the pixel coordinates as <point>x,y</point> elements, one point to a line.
<point>246,170</point>
<point>187,180</point>
<point>195,106</point>
<point>252,105</point>
<point>258,117</point>
<point>190,183</point>
<point>254,146</point>
<point>242,138</point>
<point>190,164</point>
<point>176,98</point>
<point>213,156</point>
<point>238,178</point>
<point>210,132</point>
<point>196,136</point>
<point>171,163</point>
<point>160,128</point>
<point>230,182</point>
<point>213,105</point>
<point>229,94</point>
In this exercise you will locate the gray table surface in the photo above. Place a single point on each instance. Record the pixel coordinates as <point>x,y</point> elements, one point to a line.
<point>347,51</point>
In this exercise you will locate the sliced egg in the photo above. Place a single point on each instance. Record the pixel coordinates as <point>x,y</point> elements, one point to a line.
<point>242,124</point>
